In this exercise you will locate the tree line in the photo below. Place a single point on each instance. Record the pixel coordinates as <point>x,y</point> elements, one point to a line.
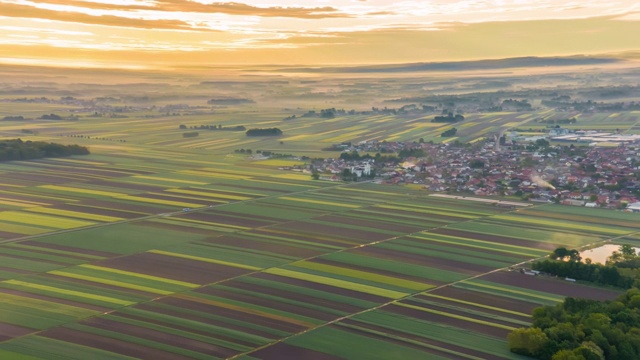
<point>622,268</point>
<point>264,132</point>
<point>16,149</point>
<point>448,118</point>
<point>580,329</point>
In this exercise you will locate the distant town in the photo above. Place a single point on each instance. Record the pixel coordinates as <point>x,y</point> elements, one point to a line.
<point>582,168</point>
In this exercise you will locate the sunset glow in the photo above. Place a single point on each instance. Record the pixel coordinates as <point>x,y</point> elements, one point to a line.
<point>169,33</point>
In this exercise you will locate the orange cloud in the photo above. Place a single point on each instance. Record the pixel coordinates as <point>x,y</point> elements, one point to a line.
<point>23,11</point>
<point>229,8</point>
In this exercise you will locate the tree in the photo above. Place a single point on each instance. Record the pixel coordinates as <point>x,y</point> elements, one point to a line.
<point>530,342</point>
<point>449,133</point>
<point>627,250</point>
<point>559,253</point>
<point>567,355</point>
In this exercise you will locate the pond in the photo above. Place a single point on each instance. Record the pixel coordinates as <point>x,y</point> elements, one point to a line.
<point>600,254</point>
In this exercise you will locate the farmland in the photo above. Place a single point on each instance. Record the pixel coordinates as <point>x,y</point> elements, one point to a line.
<point>165,247</point>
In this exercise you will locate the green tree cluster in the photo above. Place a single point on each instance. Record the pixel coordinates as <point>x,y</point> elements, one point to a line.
<point>16,149</point>
<point>449,133</point>
<point>264,132</point>
<point>621,270</point>
<point>580,329</point>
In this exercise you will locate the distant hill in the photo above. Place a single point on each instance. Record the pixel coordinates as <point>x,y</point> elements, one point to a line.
<point>531,61</point>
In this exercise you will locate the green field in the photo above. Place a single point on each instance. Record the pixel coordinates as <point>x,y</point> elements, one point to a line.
<point>160,246</point>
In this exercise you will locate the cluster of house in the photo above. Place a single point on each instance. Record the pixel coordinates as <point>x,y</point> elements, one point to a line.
<point>580,176</point>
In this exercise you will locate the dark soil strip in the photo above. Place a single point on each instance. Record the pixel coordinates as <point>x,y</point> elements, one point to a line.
<point>427,217</point>
<point>4,256</point>
<point>327,230</point>
<point>369,224</point>
<point>54,300</point>
<point>258,245</point>
<point>9,235</point>
<point>158,336</point>
<point>551,285</point>
<point>322,287</point>
<point>500,302</point>
<point>345,308</point>
<point>9,331</point>
<point>233,314</point>
<point>109,344</point>
<point>68,248</point>
<point>171,267</point>
<point>448,321</point>
<point>258,188</point>
<point>127,185</point>
<point>185,227</point>
<point>423,260</point>
<point>371,270</point>
<point>485,237</point>
<point>418,338</point>
<point>121,205</point>
<point>98,211</point>
<point>211,334</point>
<point>272,304</point>
<point>174,311</point>
<point>225,219</point>
<point>457,312</point>
<point>173,198</point>
<point>299,236</point>
<point>16,271</point>
<point>239,214</point>
<point>282,351</point>
<point>119,289</point>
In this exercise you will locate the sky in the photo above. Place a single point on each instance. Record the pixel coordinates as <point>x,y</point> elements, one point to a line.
<point>140,34</point>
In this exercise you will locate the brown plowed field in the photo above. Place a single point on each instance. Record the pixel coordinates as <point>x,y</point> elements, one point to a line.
<point>446,320</point>
<point>343,307</point>
<point>321,229</point>
<point>322,287</point>
<point>126,185</point>
<point>295,235</point>
<point>551,285</point>
<point>98,211</point>
<point>259,245</point>
<point>171,267</point>
<point>9,331</point>
<point>109,344</point>
<point>68,248</point>
<point>485,237</point>
<point>54,300</point>
<point>369,224</point>
<point>418,338</point>
<point>234,314</point>
<point>371,270</point>
<point>419,259</point>
<point>282,351</point>
<point>500,302</point>
<point>268,303</point>
<point>184,328</point>
<point>171,311</point>
<point>158,336</point>
<point>230,220</point>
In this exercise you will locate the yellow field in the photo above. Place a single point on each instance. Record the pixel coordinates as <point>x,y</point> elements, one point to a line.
<point>74,214</point>
<point>81,191</point>
<point>42,220</point>
<point>310,201</point>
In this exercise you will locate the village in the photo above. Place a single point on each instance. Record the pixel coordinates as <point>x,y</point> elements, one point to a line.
<point>590,176</point>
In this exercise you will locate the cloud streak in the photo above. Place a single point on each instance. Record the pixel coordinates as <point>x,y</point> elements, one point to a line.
<point>336,31</point>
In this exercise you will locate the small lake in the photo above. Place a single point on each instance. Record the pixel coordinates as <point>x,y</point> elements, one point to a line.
<point>600,254</point>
